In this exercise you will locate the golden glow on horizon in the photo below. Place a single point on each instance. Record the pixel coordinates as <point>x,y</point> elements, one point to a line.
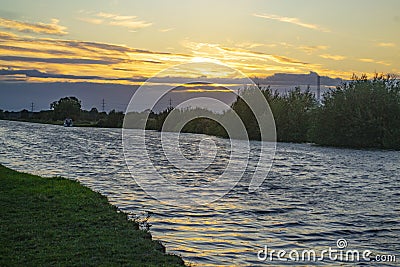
<point>205,59</point>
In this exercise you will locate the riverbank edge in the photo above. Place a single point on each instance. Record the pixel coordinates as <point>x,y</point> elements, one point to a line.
<point>61,123</point>
<point>57,221</point>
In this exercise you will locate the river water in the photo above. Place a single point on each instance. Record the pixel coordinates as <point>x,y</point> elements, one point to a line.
<point>312,197</point>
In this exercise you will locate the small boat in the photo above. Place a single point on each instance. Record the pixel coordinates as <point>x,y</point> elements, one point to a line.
<point>68,122</point>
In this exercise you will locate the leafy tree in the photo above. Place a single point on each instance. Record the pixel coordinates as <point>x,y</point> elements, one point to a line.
<point>114,119</point>
<point>90,116</point>
<point>93,113</point>
<point>24,114</point>
<point>361,113</point>
<point>43,116</point>
<point>242,109</point>
<point>292,113</point>
<point>67,107</point>
<point>155,121</point>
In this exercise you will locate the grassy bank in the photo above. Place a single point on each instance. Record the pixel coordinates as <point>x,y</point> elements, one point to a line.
<point>58,222</point>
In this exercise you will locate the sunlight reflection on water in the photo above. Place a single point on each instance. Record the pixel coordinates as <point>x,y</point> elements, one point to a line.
<point>312,196</point>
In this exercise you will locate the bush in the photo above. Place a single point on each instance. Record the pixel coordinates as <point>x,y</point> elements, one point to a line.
<point>362,113</point>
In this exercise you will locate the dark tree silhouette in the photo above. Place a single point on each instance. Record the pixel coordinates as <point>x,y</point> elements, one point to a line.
<point>292,113</point>
<point>67,107</point>
<point>362,113</point>
<point>114,119</point>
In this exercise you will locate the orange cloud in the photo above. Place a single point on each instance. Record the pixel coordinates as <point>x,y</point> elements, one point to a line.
<point>333,57</point>
<point>294,21</point>
<point>52,28</point>
<point>130,22</point>
<point>250,45</point>
<point>63,59</point>
<point>92,20</point>
<point>166,30</point>
<point>386,44</point>
<point>312,48</point>
<point>253,63</point>
<point>370,60</point>
<point>67,59</point>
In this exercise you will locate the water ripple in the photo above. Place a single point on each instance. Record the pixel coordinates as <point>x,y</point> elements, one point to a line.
<point>312,196</point>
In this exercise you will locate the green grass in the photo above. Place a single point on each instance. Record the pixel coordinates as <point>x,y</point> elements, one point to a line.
<point>58,222</point>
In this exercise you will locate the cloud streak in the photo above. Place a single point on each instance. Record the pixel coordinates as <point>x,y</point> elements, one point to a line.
<point>130,22</point>
<point>166,29</point>
<point>333,57</point>
<point>255,63</point>
<point>33,50</point>
<point>19,74</point>
<point>386,44</point>
<point>370,60</point>
<point>52,28</point>
<point>58,60</point>
<point>262,56</point>
<point>81,60</point>
<point>313,48</point>
<point>294,21</point>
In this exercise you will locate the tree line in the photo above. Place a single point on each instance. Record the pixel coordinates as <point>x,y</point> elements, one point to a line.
<point>68,107</point>
<point>361,113</point>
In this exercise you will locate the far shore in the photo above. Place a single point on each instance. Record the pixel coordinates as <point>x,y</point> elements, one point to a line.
<point>61,123</point>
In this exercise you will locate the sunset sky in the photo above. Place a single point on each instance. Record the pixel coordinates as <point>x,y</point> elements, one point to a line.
<point>117,41</point>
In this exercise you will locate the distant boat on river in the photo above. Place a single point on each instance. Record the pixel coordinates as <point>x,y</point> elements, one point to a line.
<point>68,122</point>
